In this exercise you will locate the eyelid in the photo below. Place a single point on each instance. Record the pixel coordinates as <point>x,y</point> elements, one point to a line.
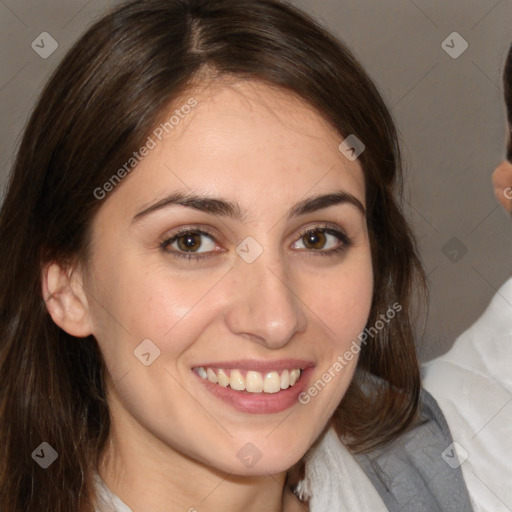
<point>321,225</point>
<point>195,228</point>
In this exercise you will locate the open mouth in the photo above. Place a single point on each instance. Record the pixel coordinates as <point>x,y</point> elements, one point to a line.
<point>249,380</point>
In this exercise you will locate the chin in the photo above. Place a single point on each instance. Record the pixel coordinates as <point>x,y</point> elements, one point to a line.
<point>251,461</point>
<point>262,468</point>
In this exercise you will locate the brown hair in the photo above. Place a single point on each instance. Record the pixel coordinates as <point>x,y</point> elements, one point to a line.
<point>507,86</point>
<point>99,106</point>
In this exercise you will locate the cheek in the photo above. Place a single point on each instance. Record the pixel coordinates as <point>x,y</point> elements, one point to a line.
<point>502,175</point>
<point>134,303</point>
<point>343,298</point>
<point>147,300</point>
<point>343,304</point>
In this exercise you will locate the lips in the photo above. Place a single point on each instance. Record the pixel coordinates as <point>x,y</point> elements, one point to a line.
<point>257,387</point>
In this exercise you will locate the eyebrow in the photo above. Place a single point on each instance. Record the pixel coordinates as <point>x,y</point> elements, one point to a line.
<point>225,208</point>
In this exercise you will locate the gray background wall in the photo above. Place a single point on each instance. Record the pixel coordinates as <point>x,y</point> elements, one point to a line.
<point>449,112</point>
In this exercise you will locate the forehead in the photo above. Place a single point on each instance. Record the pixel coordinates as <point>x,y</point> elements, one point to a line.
<point>247,140</point>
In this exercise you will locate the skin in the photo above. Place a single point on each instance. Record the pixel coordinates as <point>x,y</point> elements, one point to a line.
<point>173,445</point>
<point>502,183</point>
<point>502,175</point>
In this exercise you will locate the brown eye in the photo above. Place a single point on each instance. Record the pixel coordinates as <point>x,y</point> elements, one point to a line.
<point>323,241</point>
<point>189,242</point>
<point>314,239</point>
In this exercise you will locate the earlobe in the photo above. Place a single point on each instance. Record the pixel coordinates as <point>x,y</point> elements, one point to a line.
<point>66,300</point>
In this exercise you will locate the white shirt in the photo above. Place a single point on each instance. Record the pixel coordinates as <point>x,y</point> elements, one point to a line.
<point>472,384</point>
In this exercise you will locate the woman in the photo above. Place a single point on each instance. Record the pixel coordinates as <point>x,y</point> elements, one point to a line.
<point>206,273</point>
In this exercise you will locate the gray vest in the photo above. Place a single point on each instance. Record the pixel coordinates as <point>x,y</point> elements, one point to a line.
<point>419,472</point>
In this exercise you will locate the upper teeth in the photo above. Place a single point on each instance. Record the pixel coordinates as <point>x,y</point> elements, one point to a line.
<point>253,382</point>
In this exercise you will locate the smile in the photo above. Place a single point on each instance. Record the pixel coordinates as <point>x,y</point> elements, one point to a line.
<point>251,381</point>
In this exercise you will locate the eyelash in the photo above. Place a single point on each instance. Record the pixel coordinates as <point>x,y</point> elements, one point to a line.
<point>346,242</point>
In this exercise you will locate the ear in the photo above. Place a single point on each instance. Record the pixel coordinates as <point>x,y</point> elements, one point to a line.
<point>66,300</point>
<point>502,183</point>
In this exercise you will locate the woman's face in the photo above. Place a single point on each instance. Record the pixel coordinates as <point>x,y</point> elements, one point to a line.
<point>268,280</point>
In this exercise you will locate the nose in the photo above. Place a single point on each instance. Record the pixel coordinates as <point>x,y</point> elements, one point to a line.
<point>265,305</point>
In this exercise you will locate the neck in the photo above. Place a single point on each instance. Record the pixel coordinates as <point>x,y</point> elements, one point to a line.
<point>150,475</point>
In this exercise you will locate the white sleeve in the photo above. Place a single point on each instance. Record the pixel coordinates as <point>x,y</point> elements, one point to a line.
<point>473,385</point>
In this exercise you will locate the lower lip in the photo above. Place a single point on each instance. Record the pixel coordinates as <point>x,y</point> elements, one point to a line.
<point>260,403</point>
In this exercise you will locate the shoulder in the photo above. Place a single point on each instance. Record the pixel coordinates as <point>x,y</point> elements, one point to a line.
<point>482,353</point>
<point>473,385</point>
<point>414,473</point>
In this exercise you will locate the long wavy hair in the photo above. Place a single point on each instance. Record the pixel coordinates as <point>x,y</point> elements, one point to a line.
<point>104,99</point>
